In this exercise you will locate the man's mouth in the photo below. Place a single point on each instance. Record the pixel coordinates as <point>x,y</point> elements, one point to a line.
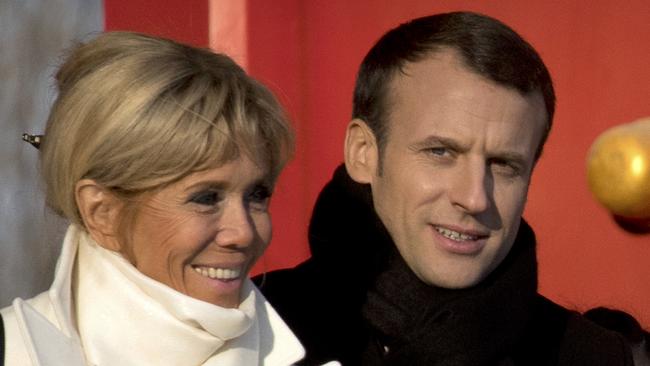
<point>223,274</point>
<point>455,235</point>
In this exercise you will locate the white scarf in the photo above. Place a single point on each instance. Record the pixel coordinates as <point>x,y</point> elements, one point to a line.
<point>126,318</point>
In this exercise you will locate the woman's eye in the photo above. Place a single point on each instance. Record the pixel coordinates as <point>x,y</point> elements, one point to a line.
<point>206,198</point>
<point>259,195</point>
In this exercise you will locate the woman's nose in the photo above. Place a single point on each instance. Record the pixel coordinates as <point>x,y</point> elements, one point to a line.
<point>236,228</point>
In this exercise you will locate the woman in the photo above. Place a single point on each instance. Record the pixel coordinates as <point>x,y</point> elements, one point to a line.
<point>163,157</point>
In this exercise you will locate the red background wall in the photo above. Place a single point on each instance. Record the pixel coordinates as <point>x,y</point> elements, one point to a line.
<point>308,53</point>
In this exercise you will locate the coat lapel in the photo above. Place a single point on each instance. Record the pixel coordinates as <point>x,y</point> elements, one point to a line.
<point>45,343</point>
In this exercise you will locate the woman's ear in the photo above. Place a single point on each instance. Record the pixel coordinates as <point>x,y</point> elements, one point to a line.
<point>100,211</point>
<point>361,152</point>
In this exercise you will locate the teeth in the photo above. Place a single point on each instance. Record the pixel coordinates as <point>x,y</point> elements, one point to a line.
<point>218,273</point>
<point>455,235</point>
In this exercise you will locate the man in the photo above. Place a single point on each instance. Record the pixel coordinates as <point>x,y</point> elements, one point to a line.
<point>419,252</point>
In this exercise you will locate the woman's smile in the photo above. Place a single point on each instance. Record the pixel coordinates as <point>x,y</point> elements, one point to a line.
<point>202,234</point>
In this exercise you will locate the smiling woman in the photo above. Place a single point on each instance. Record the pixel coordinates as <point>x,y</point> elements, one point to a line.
<point>163,157</point>
<point>202,234</point>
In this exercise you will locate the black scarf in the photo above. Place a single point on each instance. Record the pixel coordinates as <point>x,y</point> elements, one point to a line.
<point>424,325</point>
<point>419,324</point>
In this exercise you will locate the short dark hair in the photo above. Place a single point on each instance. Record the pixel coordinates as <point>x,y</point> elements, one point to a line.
<point>486,46</point>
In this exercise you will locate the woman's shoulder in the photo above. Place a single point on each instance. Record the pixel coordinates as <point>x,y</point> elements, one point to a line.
<point>31,330</point>
<point>2,342</point>
<point>41,303</point>
<point>32,333</point>
<point>14,349</point>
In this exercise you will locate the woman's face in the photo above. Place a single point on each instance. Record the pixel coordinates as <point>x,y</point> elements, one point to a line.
<point>202,234</point>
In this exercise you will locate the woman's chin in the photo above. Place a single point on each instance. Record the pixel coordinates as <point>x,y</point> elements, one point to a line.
<point>221,292</point>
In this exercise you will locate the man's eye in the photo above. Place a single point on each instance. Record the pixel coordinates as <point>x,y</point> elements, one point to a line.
<point>505,167</point>
<point>206,198</point>
<point>438,151</point>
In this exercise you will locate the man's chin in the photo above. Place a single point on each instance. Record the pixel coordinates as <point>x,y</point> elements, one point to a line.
<point>455,280</point>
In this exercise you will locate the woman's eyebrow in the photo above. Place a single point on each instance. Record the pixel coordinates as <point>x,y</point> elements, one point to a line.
<point>207,184</point>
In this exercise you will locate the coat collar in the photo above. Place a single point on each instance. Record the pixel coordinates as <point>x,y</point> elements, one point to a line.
<point>45,322</point>
<point>51,337</point>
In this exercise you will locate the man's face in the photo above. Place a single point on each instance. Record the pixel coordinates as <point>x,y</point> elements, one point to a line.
<point>456,167</point>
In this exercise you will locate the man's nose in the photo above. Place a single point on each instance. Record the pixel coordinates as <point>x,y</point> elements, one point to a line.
<point>471,187</point>
<point>236,228</point>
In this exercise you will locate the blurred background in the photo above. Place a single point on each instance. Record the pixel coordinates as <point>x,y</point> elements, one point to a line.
<point>308,53</point>
<point>33,35</point>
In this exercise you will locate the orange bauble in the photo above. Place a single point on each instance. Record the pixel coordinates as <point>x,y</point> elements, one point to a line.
<point>618,172</point>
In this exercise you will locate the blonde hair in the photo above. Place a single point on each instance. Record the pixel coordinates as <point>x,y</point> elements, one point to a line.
<point>136,113</point>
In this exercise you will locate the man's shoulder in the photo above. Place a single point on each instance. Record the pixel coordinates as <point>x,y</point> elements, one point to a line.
<point>575,339</point>
<point>291,293</point>
<point>311,282</point>
<point>555,335</point>
<point>317,308</point>
<point>284,285</point>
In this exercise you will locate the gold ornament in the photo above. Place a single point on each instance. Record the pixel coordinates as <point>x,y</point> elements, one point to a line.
<point>618,173</point>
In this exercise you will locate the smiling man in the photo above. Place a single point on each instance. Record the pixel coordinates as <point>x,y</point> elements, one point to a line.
<point>420,255</point>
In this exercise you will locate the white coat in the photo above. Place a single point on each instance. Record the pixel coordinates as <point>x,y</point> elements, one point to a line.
<point>43,331</point>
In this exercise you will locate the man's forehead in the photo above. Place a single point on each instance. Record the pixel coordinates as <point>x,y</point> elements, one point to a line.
<point>438,96</point>
<point>417,75</point>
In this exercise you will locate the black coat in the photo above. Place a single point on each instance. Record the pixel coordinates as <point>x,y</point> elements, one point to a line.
<point>356,301</point>
<point>2,342</point>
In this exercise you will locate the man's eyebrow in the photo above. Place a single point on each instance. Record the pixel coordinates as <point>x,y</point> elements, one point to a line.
<point>441,141</point>
<point>438,141</point>
<point>510,156</point>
